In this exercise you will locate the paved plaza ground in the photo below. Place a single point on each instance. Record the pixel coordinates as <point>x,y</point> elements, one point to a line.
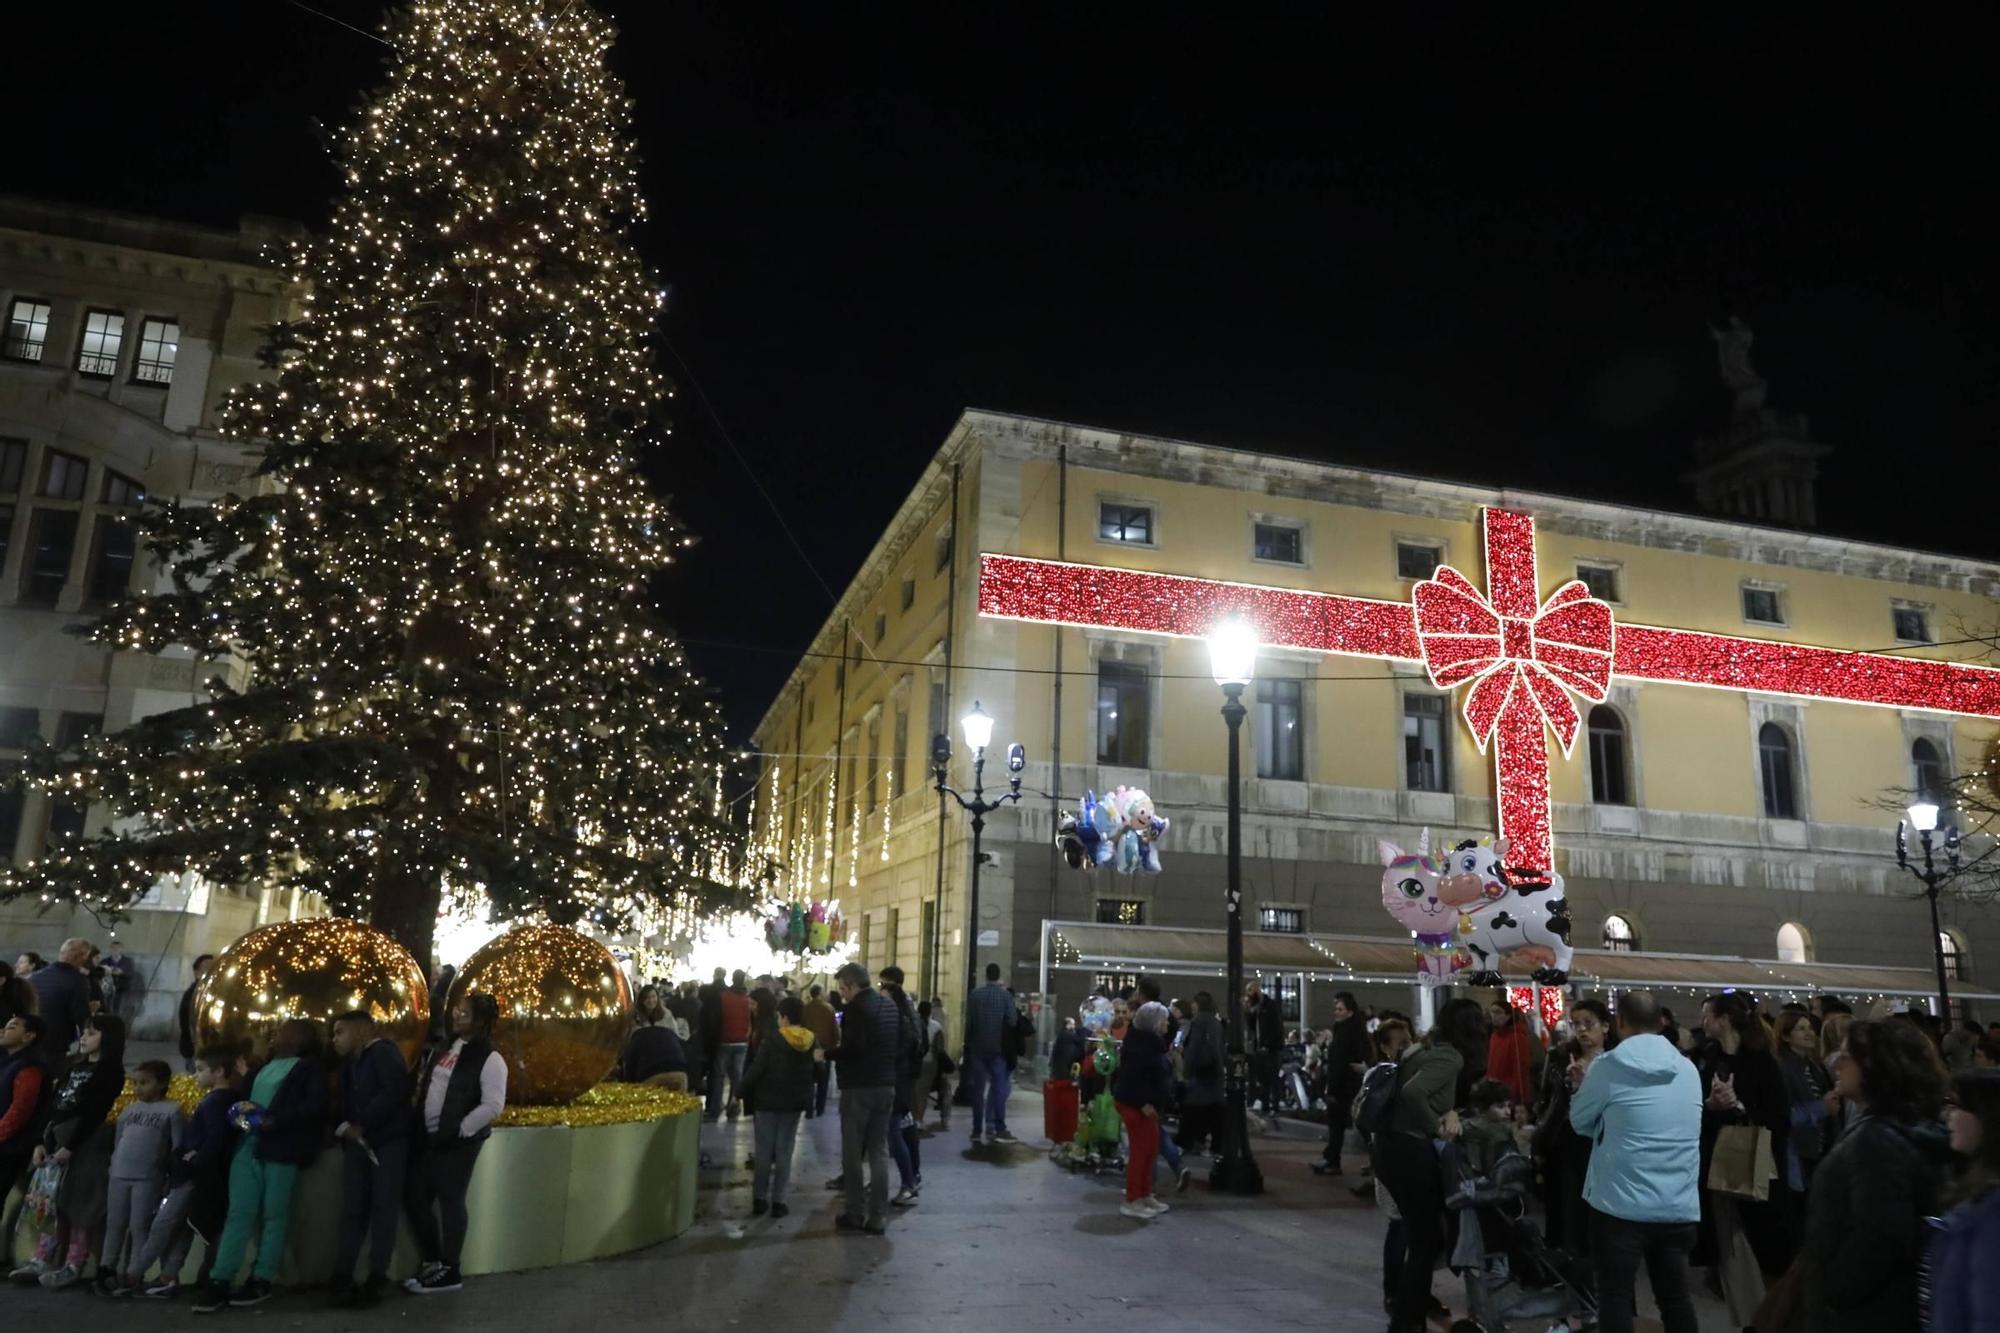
<point>1001,1240</point>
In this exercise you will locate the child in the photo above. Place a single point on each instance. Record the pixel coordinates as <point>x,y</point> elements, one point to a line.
<point>374,1137</point>
<point>781,1079</point>
<point>285,1116</point>
<point>76,1140</point>
<point>194,1176</point>
<point>1491,1131</point>
<point>141,1148</point>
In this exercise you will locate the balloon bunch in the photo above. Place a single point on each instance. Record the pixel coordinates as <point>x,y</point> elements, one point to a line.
<point>1119,831</point>
<point>804,928</point>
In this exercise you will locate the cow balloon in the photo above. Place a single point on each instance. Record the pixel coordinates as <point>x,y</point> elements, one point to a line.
<point>1506,912</point>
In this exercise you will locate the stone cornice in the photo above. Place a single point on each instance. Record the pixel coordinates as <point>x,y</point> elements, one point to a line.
<point>1214,465</point>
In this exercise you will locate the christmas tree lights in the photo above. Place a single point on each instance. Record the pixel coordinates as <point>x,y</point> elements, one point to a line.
<point>453,686</point>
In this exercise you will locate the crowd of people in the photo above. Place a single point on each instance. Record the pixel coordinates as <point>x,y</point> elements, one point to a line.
<point>128,1195</point>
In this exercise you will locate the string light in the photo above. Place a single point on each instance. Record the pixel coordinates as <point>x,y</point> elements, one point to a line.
<point>458,691</point>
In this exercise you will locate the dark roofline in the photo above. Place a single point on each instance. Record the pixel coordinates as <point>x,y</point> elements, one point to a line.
<point>257,241</point>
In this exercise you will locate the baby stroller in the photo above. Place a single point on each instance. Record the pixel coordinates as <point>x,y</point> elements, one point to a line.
<point>1511,1273</point>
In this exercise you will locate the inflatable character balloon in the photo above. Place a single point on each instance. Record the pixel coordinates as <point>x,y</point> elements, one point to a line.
<point>1410,894</point>
<point>1505,911</point>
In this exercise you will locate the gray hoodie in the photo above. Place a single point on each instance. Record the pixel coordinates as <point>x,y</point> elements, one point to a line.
<point>147,1135</point>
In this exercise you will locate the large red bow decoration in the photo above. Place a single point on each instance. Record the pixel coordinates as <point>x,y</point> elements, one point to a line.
<point>1565,646</point>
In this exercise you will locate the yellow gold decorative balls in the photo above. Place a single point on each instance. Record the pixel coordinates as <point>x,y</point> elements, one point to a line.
<point>317,969</point>
<point>565,1009</point>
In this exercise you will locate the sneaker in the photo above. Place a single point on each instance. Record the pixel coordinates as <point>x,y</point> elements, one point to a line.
<point>166,1289</point>
<point>105,1283</point>
<point>1137,1210</point>
<point>779,1210</point>
<point>904,1197</point>
<point>1156,1203</point>
<point>758,1207</point>
<point>214,1296</point>
<point>837,1183</point>
<point>125,1291</point>
<point>58,1278</point>
<point>1183,1180</point>
<point>442,1278</point>
<point>254,1292</point>
<point>28,1274</point>
<point>1004,1135</point>
<point>424,1273</point>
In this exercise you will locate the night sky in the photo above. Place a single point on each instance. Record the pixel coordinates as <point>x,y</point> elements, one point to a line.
<point>1470,245</point>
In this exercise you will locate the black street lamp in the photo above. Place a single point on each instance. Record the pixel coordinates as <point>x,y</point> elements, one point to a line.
<point>1232,648</point>
<point>978,728</point>
<point>1923,818</point>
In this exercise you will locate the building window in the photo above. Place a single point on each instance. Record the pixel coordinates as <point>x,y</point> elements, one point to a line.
<point>1607,757</point>
<point>840,677</point>
<point>926,945</point>
<point>73,729</point>
<point>122,491</point>
<point>1619,937</point>
<point>1763,606</point>
<point>810,710</point>
<point>1282,920</point>
<point>63,475</point>
<point>909,591</point>
<point>1794,945</point>
<point>1115,983</point>
<point>881,626</point>
<point>934,712</point>
<point>111,559</point>
<point>1121,714</point>
<point>103,334</point>
<point>11,803</point>
<point>13,462</point>
<point>870,798</point>
<point>1128,523</point>
<point>1952,950</point>
<point>1279,543</point>
<point>899,757</point>
<point>1426,765</point>
<point>943,548</point>
<point>6,530</point>
<point>1774,763</point>
<point>1281,739</point>
<point>1121,912</point>
<point>66,818</point>
<point>1927,766</point>
<point>1601,580</point>
<point>1912,624</point>
<point>1288,989</point>
<point>1417,560</point>
<point>159,344</point>
<point>19,728</point>
<point>51,539</point>
<point>27,329</point>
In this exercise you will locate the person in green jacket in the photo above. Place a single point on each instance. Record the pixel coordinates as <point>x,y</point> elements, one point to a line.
<point>1429,1086</point>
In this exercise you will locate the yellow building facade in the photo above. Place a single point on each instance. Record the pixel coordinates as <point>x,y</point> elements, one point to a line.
<point>1688,820</point>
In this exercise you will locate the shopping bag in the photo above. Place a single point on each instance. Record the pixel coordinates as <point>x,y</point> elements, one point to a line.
<point>38,1208</point>
<point>1743,1164</point>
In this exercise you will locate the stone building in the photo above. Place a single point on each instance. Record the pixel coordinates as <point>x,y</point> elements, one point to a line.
<point>122,336</point>
<point>1709,836</point>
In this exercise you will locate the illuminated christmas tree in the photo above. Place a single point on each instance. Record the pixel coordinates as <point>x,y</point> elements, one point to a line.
<point>454,684</point>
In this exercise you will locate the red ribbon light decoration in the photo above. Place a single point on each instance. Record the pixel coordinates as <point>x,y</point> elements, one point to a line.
<point>1523,657</point>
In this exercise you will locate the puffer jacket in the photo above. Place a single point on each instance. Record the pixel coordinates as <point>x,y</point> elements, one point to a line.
<point>870,1028</point>
<point>1640,1109</point>
<point>780,1078</point>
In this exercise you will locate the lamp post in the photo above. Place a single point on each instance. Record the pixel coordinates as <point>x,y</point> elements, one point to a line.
<point>1232,650</point>
<point>1923,817</point>
<point>978,729</point>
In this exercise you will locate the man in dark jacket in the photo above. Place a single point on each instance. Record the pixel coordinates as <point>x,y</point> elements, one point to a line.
<point>1264,1033</point>
<point>989,1035</point>
<point>1203,1056</point>
<point>1346,1059</point>
<point>653,1053</point>
<point>870,1035</point>
<point>374,1139</point>
<point>184,1019</point>
<point>710,999</point>
<point>62,998</point>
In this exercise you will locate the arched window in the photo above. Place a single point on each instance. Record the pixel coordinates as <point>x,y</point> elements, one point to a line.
<point>1794,945</point>
<point>1927,766</point>
<point>1619,937</point>
<point>1952,950</point>
<point>1774,761</point>
<point>1607,758</point>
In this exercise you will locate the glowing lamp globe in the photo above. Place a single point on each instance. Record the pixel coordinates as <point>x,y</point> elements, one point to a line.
<point>1232,651</point>
<point>978,728</point>
<point>565,1010</point>
<point>1924,816</point>
<point>317,969</point>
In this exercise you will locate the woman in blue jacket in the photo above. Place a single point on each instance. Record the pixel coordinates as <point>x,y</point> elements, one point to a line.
<point>1965,1279</point>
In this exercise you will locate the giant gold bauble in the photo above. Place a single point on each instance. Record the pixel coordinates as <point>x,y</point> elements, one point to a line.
<point>565,1009</point>
<point>317,969</point>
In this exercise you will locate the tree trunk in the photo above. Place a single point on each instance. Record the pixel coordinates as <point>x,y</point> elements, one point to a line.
<point>406,906</point>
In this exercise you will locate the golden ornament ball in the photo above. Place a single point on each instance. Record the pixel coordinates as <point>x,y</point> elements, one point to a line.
<point>318,969</point>
<point>565,1010</point>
